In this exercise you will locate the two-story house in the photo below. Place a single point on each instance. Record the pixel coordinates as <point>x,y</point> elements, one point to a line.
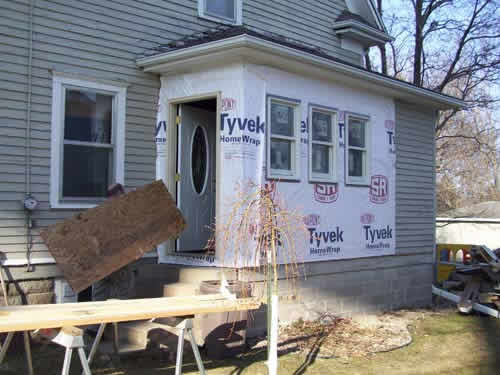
<point>205,94</point>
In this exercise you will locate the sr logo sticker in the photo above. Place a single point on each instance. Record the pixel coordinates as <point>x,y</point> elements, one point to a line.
<point>379,189</point>
<point>324,193</point>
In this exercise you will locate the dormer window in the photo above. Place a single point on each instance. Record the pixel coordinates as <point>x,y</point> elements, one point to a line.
<point>222,11</point>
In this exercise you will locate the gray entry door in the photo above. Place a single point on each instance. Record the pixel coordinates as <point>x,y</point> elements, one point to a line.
<point>196,167</point>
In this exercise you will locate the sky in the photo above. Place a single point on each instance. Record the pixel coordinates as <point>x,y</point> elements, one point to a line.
<point>403,31</point>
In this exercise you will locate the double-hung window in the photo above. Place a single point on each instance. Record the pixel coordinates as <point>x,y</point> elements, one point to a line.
<point>322,138</point>
<point>283,138</point>
<point>88,136</point>
<point>357,149</point>
<point>224,11</point>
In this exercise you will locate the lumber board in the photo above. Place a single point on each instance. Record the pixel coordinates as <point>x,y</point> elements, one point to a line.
<point>25,318</point>
<point>101,240</point>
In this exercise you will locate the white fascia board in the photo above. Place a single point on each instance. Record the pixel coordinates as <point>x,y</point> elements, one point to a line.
<point>262,51</point>
<point>376,15</point>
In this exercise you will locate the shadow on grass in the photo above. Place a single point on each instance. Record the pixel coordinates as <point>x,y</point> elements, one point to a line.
<point>286,348</point>
<point>48,360</point>
<point>312,355</point>
<point>491,332</point>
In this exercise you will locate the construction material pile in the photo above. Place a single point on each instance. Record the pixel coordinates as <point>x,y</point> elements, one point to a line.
<point>477,281</point>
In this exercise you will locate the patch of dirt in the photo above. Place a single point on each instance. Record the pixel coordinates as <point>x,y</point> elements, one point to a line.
<point>339,337</point>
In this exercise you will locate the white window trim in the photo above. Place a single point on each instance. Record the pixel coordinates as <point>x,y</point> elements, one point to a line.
<point>238,10</point>
<point>296,145</point>
<point>59,82</point>
<point>330,177</point>
<point>365,180</point>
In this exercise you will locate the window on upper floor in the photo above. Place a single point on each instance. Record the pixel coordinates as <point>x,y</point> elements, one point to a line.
<point>88,135</point>
<point>322,139</point>
<point>283,138</point>
<point>225,11</point>
<point>357,149</point>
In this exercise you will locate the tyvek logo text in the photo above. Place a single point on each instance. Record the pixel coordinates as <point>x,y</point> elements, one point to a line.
<point>230,124</point>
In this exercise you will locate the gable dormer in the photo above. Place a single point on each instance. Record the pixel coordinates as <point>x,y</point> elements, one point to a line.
<point>360,26</point>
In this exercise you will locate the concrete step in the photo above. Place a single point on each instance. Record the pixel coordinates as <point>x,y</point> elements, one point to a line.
<point>142,332</point>
<point>180,289</point>
<point>195,275</point>
<point>135,333</point>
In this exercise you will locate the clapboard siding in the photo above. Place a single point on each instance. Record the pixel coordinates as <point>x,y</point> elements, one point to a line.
<point>13,98</point>
<point>415,179</point>
<point>101,40</point>
<point>309,22</point>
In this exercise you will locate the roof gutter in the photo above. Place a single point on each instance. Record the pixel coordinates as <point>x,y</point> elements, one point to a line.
<point>245,45</point>
<point>467,220</point>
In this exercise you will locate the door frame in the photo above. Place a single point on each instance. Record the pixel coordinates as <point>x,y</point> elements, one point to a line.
<point>171,164</point>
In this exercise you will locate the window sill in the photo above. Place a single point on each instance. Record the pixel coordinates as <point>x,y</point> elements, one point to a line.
<point>72,206</point>
<point>284,178</point>
<point>360,184</point>
<point>219,20</point>
<point>322,180</point>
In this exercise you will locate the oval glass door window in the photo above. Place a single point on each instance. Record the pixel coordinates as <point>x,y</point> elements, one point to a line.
<point>199,159</point>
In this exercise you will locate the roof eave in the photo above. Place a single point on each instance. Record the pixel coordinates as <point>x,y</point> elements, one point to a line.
<point>366,34</point>
<point>272,53</point>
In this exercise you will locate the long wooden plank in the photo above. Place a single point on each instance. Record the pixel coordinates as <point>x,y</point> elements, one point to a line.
<point>95,243</point>
<point>24,318</point>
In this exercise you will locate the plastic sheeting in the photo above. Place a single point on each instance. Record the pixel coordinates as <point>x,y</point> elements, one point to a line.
<point>343,221</point>
<point>469,233</point>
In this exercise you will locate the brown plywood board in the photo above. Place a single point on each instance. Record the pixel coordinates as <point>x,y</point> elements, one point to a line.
<point>101,240</point>
<point>24,318</point>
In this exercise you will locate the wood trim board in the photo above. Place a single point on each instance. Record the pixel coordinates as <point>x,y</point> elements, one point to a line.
<point>25,318</point>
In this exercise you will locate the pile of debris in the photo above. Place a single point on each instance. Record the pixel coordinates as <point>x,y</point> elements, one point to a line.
<point>338,337</point>
<point>475,283</point>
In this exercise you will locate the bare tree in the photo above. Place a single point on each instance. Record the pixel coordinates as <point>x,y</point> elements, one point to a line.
<point>455,46</point>
<point>452,47</point>
<point>466,160</point>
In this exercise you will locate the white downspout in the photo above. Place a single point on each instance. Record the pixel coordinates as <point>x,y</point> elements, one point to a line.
<point>28,105</point>
<point>29,222</point>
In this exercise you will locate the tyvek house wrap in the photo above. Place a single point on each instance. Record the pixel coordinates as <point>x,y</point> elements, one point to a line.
<point>344,221</point>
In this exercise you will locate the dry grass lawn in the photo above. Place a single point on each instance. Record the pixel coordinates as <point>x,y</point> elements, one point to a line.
<point>443,343</point>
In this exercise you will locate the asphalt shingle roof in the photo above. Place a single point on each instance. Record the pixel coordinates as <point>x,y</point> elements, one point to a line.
<point>224,32</point>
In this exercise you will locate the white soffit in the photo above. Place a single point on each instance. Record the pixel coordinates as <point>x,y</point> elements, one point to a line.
<point>246,48</point>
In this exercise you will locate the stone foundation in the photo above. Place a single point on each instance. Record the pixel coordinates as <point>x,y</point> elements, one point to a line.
<point>28,292</point>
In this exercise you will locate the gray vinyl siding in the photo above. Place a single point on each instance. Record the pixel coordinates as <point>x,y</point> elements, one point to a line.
<point>415,180</point>
<point>307,21</point>
<point>101,39</point>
